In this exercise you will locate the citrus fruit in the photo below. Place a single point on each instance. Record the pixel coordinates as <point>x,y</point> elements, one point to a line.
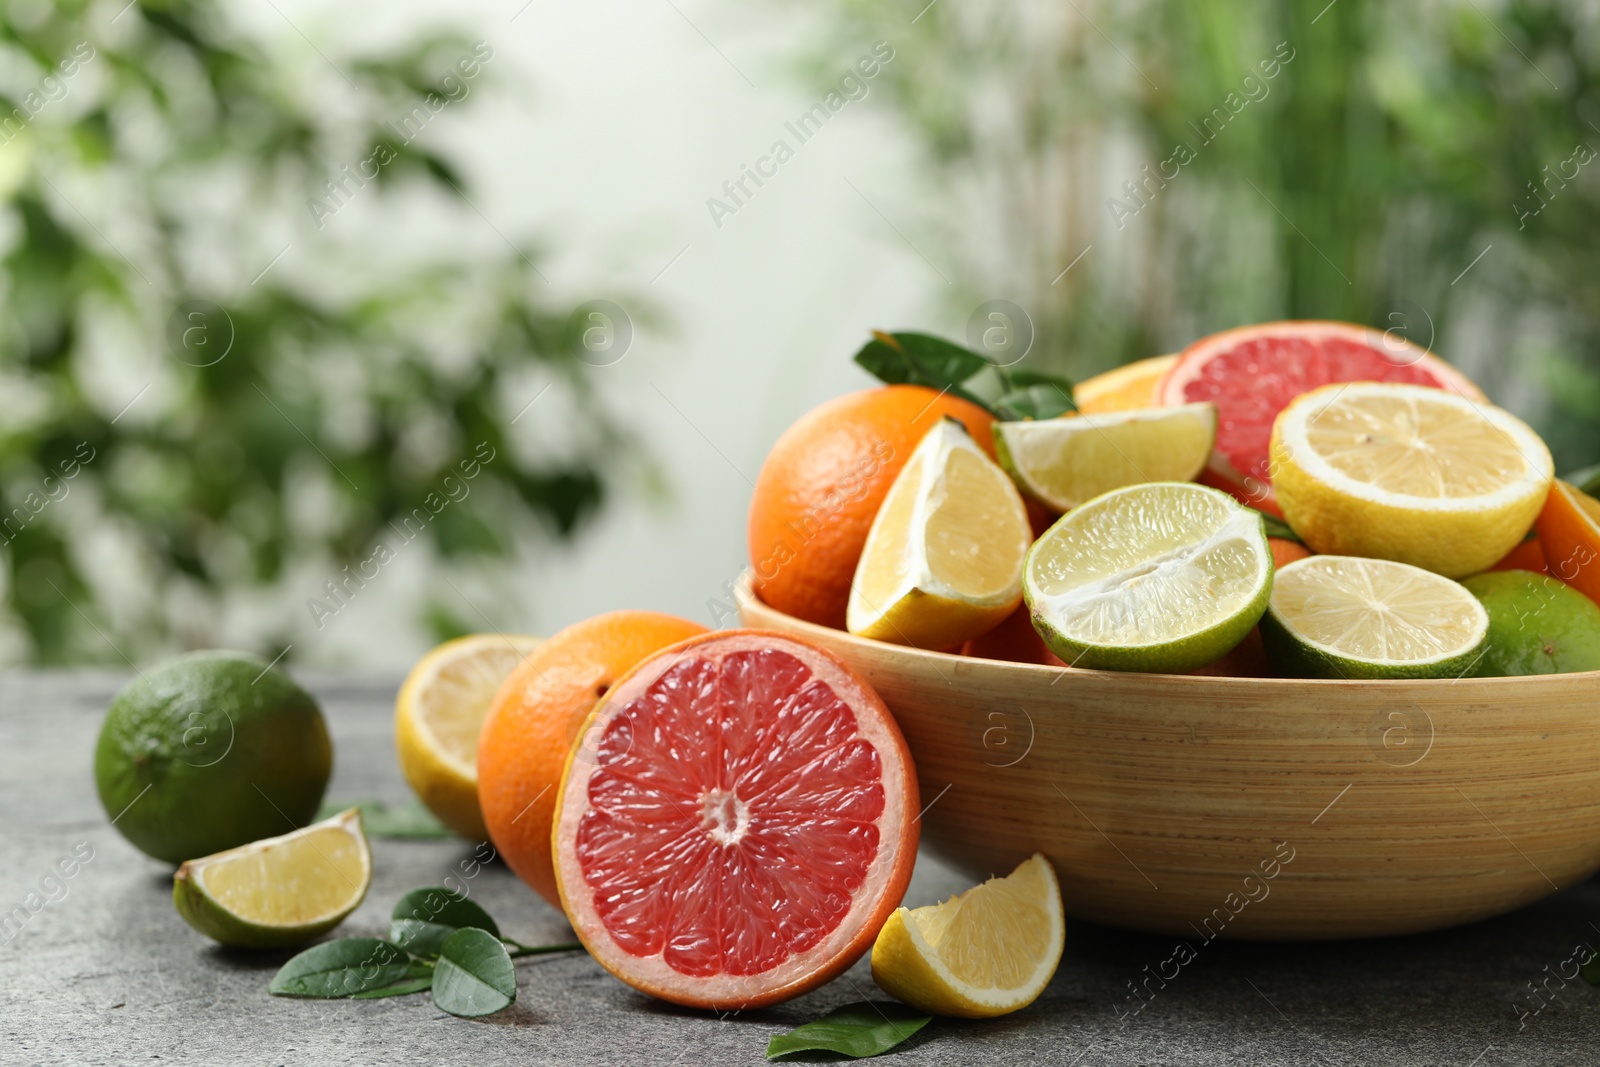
<point>210,750</point>
<point>943,559</point>
<point>1408,473</point>
<point>1247,659</point>
<point>1285,551</point>
<point>986,952</point>
<point>1014,640</point>
<point>1537,625</point>
<point>1353,617</point>
<point>1569,530</point>
<point>536,717</point>
<point>1251,373</point>
<point>1132,385</point>
<point>438,714</point>
<point>1528,555</point>
<point>1063,462</point>
<point>1163,577</point>
<point>822,484</point>
<point>744,825</point>
<point>281,891</point>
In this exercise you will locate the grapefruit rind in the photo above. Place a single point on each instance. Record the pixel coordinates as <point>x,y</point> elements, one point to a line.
<point>871,904</point>
<point>1394,349</point>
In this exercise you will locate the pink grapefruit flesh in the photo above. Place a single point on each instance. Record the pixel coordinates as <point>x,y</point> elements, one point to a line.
<point>743,825</point>
<point>1253,372</point>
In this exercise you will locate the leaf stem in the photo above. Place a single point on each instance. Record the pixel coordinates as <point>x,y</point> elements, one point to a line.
<point>519,949</point>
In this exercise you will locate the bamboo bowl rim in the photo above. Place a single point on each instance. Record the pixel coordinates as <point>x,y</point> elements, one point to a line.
<point>745,594</point>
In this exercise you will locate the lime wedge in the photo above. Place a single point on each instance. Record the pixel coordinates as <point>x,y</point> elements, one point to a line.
<point>1063,462</point>
<point>1162,577</point>
<point>1353,617</point>
<point>281,891</point>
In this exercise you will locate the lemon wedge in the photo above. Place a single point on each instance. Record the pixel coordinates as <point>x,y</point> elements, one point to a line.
<point>1408,473</point>
<point>1351,617</point>
<point>1063,462</point>
<point>943,560</point>
<point>280,891</point>
<point>985,952</point>
<point>438,715</point>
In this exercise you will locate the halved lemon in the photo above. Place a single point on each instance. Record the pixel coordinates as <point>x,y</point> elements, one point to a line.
<point>1162,577</point>
<point>1352,617</point>
<point>985,952</point>
<point>280,891</point>
<point>1063,462</point>
<point>1408,473</point>
<point>943,559</point>
<point>438,716</point>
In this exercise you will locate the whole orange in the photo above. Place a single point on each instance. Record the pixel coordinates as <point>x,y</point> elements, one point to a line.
<point>535,718</point>
<point>821,485</point>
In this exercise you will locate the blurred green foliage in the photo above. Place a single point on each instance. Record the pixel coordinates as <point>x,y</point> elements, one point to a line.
<point>239,428</point>
<point>1361,181</point>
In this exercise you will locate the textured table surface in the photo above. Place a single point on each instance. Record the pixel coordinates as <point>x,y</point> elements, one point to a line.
<point>108,973</point>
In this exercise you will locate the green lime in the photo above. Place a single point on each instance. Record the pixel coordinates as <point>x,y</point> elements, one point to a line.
<point>279,892</point>
<point>1353,617</point>
<point>1537,625</point>
<point>209,751</point>
<point>1162,577</point>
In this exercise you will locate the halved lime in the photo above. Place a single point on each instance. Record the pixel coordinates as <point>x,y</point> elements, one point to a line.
<point>281,891</point>
<point>1353,617</point>
<point>1063,462</point>
<point>1162,577</point>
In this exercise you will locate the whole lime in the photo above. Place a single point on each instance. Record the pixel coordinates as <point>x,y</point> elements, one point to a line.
<point>209,751</point>
<point>1537,625</point>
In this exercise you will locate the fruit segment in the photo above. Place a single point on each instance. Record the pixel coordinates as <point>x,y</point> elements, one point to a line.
<point>1569,531</point>
<point>743,826</point>
<point>1161,577</point>
<point>943,560</point>
<point>1410,474</point>
<point>1063,462</point>
<point>280,891</point>
<point>1350,617</point>
<point>1253,372</point>
<point>982,953</point>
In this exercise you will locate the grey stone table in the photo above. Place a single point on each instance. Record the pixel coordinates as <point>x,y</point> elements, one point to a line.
<point>106,972</point>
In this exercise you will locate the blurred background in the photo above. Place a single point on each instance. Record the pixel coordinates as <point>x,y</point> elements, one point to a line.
<point>330,332</point>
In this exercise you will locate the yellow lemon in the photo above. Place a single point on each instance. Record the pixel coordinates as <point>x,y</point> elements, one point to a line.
<point>943,559</point>
<point>985,952</point>
<point>438,715</point>
<point>1408,473</point>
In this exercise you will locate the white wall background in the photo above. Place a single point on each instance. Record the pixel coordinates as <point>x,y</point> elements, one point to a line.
<point>604,128</point>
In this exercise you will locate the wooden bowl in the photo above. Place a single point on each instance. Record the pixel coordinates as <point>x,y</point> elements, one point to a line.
<point>1257,808</point>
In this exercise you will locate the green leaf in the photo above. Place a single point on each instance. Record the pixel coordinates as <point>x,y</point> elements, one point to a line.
<point>1040,401</point>
<point>409,820</point>
<point>343,968</point>
<point>1588,479</point>
<point>921,359</point>
<point>1590,969</point>
<point>400,989</point>
<point>424,918</point>
<point>855,1030</point>
<point>1276,527</point>
<point>474,975</point>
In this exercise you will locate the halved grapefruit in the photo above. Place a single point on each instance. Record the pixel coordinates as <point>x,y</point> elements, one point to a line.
<point>1251,373</point>
<point>743,826</point>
